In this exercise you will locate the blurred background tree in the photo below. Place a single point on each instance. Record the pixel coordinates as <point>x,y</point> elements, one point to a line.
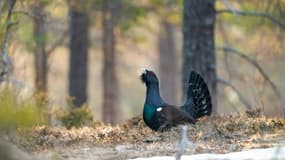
<point>168,23</point>
<point>116,17</point>
<point>199,44</point>
<point>110,17</point>
<point>40,55</point>
<point>78,45</point>
<point>238,46</point>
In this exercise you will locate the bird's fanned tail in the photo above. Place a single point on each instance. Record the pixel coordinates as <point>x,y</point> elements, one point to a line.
<point>198,100</point>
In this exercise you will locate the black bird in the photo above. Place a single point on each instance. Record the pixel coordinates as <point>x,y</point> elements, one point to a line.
<point>160,116</point>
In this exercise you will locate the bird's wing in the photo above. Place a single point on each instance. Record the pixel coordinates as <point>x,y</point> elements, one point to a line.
<point>171,116</point>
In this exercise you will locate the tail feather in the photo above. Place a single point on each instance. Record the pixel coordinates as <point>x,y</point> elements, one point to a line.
<point>198,100</point>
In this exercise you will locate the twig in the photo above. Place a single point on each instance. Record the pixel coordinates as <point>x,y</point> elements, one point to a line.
<point>26,13</point>
<point>58,42</point>
<point>253,14</point>
<point>1,8</point>
<point>183,143</point>
<point>241,98</point>
<point>226,41</point>
<point>257,66</point>
<point>227,4</point>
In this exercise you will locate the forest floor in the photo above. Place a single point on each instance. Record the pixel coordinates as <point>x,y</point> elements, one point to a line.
<point>216,134</point>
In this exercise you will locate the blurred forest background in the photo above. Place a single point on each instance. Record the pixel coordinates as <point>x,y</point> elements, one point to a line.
<point>78,53</point>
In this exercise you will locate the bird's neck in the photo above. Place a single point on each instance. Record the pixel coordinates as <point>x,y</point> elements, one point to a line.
<point>153,96</point>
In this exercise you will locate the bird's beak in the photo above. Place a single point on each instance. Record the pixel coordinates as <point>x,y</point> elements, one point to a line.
<point>143,74</point>
<point>143,71</point>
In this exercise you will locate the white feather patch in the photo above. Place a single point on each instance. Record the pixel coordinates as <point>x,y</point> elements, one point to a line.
<point>159,109</point>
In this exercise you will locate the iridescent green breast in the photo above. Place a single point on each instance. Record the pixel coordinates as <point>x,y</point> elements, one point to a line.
<point>149,116</point>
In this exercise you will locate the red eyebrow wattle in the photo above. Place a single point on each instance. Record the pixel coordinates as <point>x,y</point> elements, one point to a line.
<point>151,73</point>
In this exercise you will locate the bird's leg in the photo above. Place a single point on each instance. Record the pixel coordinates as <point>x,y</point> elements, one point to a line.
<point>163,127</point>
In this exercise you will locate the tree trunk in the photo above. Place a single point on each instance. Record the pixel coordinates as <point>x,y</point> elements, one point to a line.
<point>198,46</point>
<point>40,56</point>
<point>110,82</point>
<point>168,63</point>
<point>78,60</point>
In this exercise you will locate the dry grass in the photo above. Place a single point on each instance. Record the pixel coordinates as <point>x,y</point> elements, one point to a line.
<point>219,134</point>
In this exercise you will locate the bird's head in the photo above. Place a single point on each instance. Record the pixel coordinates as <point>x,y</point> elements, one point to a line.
<point>148,77</point>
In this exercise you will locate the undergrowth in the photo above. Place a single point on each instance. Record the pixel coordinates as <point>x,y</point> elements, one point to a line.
<point>17,112</point>
<point>76,117</point>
